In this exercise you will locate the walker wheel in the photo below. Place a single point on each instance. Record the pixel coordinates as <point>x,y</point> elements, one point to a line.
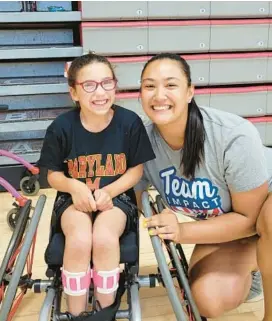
<point>12,218</point>
<point>29,190</point>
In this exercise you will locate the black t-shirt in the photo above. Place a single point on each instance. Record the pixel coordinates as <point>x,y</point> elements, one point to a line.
<point>96,159</point>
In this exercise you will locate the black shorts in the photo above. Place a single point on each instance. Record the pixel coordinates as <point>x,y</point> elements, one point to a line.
<point>122,201</point>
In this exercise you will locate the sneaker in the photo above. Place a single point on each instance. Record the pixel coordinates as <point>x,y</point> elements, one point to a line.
<point>256,290</point>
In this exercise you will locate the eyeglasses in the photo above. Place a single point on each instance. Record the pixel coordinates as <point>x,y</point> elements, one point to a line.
<point>91,85</point>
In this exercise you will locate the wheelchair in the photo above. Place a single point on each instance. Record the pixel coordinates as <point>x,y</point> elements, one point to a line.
<point>130,282</point>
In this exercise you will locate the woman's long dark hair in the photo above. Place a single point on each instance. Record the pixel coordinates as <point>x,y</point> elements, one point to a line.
<point>193,149</point>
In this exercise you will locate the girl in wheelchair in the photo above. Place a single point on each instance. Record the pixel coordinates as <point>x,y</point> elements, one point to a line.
<point>94,155</point>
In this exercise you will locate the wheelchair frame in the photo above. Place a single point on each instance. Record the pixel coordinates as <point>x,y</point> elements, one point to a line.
<point>185,310</point>
<point>21,245</point>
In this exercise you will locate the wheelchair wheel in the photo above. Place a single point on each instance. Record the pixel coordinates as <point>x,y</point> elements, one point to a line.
<point>27,188</point>
<point>47,312</point>
<point>8,307</point>
<point>134,303</point>
<point>163,266</point>
<point>13,250</point>
<point>183,260</point>
<point>179,263</point>
<point>181,311</point>
<point>15,240</point>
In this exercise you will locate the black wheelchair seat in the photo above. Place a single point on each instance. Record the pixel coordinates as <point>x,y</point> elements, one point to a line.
<point>55,249</point>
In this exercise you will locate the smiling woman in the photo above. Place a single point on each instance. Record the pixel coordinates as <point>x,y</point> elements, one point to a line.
<point>212,166</point>
<point>158,81</point>
<point>173,81</point>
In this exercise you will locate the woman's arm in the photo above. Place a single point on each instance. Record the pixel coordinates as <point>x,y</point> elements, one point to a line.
<point>224,228</point>
<point>231,226</point>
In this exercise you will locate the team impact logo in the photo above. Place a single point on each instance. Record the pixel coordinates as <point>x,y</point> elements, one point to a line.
<point>198,198</point>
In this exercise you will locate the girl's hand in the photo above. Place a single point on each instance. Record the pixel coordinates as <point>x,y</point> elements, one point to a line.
<point>103,200</point>
<point>168,227</point>
<point>82,197</point>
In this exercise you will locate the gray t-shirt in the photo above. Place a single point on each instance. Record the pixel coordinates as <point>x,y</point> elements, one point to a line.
<point>235,159</point>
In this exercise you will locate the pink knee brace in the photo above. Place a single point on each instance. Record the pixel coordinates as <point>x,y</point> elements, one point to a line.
<point>76,284</point>
<point>106,281</point>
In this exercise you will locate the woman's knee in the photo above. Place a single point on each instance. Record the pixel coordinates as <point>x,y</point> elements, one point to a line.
<point>264,221</point>
<point>215,295</point>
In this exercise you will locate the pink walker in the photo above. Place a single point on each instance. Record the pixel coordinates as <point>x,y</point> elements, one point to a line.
<point>29,184</point>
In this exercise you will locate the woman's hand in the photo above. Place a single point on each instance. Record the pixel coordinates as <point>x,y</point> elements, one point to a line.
<point>103,200</point>
<point>82,197</point>
<point>166,225</point>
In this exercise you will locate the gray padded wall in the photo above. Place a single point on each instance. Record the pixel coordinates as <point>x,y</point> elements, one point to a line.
<point>269,102</point>
<point>245,70</point>
<point>117,38</point>
<point>239,9</point>
<point>153,10</point>
<point>127,10</point>
<point>246,104</point>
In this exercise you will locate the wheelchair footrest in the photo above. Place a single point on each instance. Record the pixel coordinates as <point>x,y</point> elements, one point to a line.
<point>106,314</point>
<point>85,316</point>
